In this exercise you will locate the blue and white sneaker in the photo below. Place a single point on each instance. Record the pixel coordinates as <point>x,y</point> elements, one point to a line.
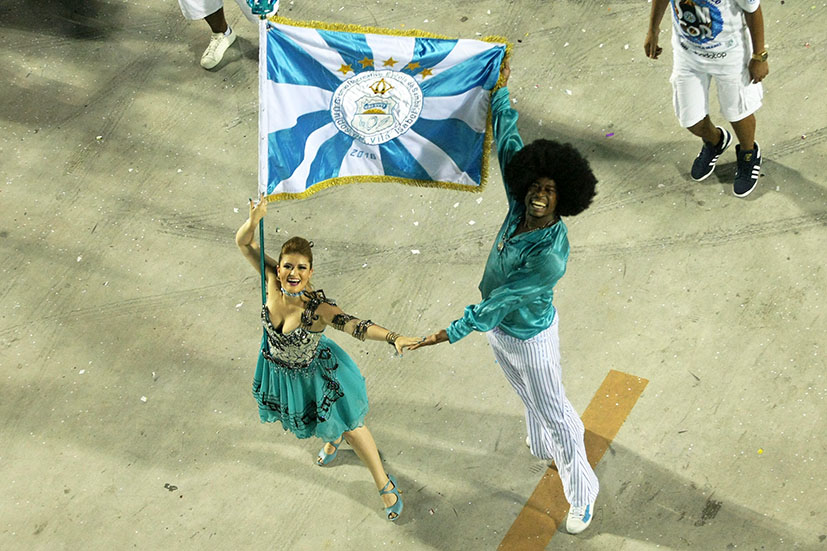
<point>704,163</point>
<point>579,518</point>
<point>748,171</point>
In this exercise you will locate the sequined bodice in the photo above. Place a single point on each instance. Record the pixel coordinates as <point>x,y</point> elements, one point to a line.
<point>293,350</point>
<point>296,349</point>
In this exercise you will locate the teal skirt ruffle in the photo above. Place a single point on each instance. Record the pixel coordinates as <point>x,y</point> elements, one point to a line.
<point>324,399</point>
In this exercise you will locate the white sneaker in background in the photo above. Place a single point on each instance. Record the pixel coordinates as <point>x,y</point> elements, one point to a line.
<point>219,42</point>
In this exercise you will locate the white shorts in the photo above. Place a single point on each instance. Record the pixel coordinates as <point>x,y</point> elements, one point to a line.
<point>199,9</point>
<point>691,78</point>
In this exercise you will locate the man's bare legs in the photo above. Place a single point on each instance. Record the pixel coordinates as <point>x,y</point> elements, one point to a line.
<point>216,21</point>
<point>745,130</point>
<point>707,131</point>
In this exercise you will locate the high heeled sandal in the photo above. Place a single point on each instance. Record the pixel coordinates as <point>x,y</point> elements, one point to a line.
<point>324,458</point>
<point>396,508</point>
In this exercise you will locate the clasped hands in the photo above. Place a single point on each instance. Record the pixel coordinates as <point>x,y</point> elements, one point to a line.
<point>430,340</point>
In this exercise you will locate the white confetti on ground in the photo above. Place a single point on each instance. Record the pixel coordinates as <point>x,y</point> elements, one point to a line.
<point>80,258</point>
<point>81,372</point>
<point>239,304</point>
<point>414,251</point>
<point>143,399</point>
<point>471,222</point>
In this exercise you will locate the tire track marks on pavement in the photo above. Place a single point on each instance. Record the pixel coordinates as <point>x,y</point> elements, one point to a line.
<point>127,307</point>
<point>711,238</point>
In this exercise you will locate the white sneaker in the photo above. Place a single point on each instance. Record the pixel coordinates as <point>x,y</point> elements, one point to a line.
<point>215,51</point>
<point>579,518</point>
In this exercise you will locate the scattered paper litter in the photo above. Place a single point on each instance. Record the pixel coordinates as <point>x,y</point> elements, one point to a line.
<point>414,251</point>
<point>239,304</point>
<point>143,399</point>
<point>471,222</point>
<point>81,372</point>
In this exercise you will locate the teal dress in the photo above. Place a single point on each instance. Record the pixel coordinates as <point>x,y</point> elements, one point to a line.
<point>305,381</point>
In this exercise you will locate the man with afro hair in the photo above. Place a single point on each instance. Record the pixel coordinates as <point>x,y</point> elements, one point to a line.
<point>543,181</point>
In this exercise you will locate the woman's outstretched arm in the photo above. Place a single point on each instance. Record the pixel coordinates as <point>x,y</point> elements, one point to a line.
<point>363,330</point>
<point>245,237</point>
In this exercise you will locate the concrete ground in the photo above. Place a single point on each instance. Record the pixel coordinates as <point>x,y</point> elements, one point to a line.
<point>129,321</point>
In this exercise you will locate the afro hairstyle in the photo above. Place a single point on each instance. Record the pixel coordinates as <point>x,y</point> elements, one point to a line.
<point>573,177</point>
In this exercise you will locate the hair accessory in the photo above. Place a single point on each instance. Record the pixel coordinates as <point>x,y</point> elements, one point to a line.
<point>311,244</point>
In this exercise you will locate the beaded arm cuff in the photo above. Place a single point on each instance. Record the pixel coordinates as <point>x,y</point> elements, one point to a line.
<point>361,329</point>
<point>340,320</point>
<point>391,337</point>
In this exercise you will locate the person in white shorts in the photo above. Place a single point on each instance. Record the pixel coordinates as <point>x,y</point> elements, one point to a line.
<point>721,40</point>
<point>212,11</point>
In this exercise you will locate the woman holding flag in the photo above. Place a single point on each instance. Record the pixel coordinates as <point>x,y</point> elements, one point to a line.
<point>303,379</point>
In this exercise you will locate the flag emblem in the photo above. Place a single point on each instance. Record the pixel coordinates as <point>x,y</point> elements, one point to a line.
<point>376,106</point>
<point>342,104</point>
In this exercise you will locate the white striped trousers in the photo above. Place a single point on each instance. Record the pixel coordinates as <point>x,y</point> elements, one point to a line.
<point>556,432</point>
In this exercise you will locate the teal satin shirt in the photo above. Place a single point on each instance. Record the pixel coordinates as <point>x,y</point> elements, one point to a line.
<point>518,283</point>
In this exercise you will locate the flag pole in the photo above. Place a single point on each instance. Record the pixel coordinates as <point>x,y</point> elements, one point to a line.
<point>264,343</point>
<point>261,251</point>
<point>262,151</point>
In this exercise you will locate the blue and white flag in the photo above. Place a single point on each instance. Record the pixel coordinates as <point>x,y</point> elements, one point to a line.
<point>340,107</point>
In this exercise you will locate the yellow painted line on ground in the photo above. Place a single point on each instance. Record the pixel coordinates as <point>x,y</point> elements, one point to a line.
<point>547,507</point>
